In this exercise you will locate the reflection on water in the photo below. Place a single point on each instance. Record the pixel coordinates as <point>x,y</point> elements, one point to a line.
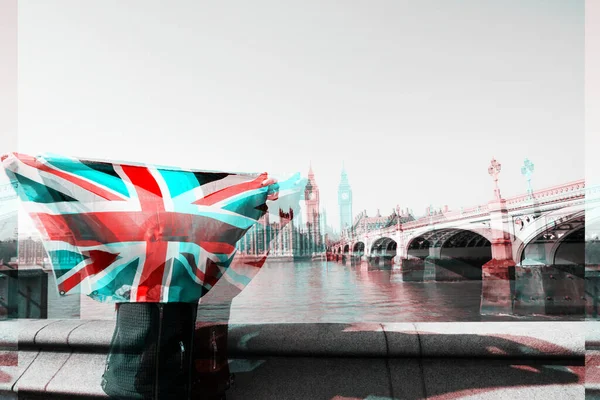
<point>322,291</point>
<point>331,292</point>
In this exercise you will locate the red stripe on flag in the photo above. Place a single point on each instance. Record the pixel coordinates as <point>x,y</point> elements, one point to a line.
<point>232,191</point>
<point>213,273</point>
<point>150,284</point>
<point>141,177</point>
<point>217,247</point>
<point>100,260</point>
<point>92,229</point>
<point>89,186</point>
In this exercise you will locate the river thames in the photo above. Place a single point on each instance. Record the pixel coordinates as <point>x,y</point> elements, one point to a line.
<point>296,292</point>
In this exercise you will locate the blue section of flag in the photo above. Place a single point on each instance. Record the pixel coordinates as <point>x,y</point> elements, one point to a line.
<point>35,192</point>
<point>64,260</point>
<point>179,182</point>
<point>114,286</point>
<point>180,290</point>
<point>78,168</point>
<point>238,278</point>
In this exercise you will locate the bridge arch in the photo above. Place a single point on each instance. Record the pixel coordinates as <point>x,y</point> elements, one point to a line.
<point>463,255</point>
<point>451,254</point>
<point>358,249</point>
<point>359,246</point>
<point>383,250</point>
<point>346,248</point>
<point>418,247</point>
<point>436,238</point>
<point>558,241</point>
<point>570,249</point>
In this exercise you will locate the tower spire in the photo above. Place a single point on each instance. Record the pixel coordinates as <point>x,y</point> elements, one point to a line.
<point>344,175</point>
<point>345,200</point>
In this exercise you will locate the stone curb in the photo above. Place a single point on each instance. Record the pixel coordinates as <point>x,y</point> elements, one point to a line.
<point>52,352</point>
<point>395,340</point>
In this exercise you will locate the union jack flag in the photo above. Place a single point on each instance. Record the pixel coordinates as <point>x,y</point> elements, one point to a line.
<point>123,232</point>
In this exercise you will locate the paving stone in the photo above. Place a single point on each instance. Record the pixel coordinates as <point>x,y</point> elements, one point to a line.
<point>503,339</point>
<point>452,379</point>
<point>85,384</point>
<point>362,340</point>
<point>549,392</point>
<point>9,334</point>
<point>407,379</point>
<point>28,329</point>
<point>300,378</point>
<point>9,355</point>
<point>57,334</point>
<point>41,371</point>
<point>402,339</point>
<point>10,373</point>
<point>93,334</point>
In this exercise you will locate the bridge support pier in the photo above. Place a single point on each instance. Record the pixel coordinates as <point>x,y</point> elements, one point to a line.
<point>429,269</point>
<point>364,261</point>
<point>550,289</point>
<point>529,296</point>
<point>592,291</point>
<point>496,293</point>
<point>429,272</point>
<point>498,274</point>
<point>413,269</point>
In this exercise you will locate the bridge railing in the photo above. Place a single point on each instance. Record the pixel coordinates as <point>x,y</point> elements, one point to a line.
<point>429,220</point>
<point>571,190</point>
<point>550,195</point>
<point>447,217</point>
<point>553,194</point>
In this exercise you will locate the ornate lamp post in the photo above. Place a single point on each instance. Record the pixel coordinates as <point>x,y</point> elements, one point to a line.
<point>494,171</point>
<point>527,171</point>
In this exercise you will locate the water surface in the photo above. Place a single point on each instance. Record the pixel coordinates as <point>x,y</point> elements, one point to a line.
<point>296,292</point>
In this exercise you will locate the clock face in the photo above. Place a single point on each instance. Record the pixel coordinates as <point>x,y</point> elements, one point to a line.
<point>312,196</point>
<point>344,196</point>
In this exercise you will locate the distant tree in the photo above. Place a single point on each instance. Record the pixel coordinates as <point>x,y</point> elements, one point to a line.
<point>592,252</point>
<point>8,249</point>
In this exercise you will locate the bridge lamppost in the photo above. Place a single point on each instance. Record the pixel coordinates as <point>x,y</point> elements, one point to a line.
<point>496,294</point>
<point>494,171</point>
<point>527,171</point>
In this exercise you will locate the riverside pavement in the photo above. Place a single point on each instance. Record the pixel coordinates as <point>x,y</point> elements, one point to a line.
<point>483,360</point>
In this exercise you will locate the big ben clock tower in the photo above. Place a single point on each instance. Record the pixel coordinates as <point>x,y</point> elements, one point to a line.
<point>345,202</point>
<point>311,197</point>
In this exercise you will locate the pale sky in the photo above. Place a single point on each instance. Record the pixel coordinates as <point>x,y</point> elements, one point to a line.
<point>415,97</point>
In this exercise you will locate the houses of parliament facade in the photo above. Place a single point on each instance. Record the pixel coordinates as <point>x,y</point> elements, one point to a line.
<point>308,234</point>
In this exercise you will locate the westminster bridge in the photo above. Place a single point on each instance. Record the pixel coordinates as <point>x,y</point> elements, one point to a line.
<point>529,250</point>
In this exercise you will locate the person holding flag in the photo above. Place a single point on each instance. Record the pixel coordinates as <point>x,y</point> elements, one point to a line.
<point>151,239</point>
